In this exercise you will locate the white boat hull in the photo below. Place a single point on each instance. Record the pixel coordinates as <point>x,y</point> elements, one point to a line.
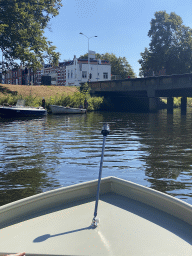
<point>65,110</point>
<point>134,220</point>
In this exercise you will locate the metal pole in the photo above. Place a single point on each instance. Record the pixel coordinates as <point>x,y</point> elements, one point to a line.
<point>88,52</point>
<point>105,131</point>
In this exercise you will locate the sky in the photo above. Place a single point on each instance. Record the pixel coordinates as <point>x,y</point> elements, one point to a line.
<point>121,26</point>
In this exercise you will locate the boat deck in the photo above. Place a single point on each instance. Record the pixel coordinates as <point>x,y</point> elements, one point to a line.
<point>126,227</point>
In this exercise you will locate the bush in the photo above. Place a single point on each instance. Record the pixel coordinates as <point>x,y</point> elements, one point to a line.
<point>95,103</point>
<point>11,100</point>
<point>75,100</point>
<point>177,102</point>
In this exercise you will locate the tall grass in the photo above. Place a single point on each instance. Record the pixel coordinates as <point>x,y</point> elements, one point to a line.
<point>75,100</point>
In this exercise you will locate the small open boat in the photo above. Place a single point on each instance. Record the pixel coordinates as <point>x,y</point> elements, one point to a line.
<point>55,109</point>
<point>20,110</point>
<point>133,220</point>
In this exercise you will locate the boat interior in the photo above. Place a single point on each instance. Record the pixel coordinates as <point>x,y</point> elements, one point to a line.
<point>132,220</point>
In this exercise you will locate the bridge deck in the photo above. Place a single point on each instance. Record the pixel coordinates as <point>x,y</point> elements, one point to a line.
<point>161,86</point>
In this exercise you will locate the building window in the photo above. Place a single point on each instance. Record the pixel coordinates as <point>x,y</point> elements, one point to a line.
<point>68,74</point>
<point>84,74</point>
<point>105,75</point>
<point>71,73</point>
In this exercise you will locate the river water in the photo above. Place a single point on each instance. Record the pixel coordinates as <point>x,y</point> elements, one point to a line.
<point>154,150</point>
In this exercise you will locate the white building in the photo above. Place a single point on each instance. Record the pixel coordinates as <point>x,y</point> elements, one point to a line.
<point>79,70</point>
<point>76,71</point>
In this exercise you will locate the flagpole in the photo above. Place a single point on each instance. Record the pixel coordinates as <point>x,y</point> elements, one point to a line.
<point>105,131</point>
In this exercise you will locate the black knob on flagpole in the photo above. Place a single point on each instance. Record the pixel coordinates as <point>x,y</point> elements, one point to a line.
<point>105,130</point>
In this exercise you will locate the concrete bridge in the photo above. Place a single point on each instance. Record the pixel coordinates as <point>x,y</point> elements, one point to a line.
<point>146,91</point>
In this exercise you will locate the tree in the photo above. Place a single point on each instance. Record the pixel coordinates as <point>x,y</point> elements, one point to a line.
<point>170,46</point>
<point>22,24</point>
<point>119,65</point>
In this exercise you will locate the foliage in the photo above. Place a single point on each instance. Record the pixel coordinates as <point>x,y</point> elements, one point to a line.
<point>170,46</point>
<point>75,100</point>
<point>84,88</point>
<point>95,103</point>
<point>177,102</point>
<point>29,100</point>
<point>22,25</point>
<point>119,65</point>
<point>189,102</point>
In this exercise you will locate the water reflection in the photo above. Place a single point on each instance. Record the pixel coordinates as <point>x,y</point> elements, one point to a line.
<point>150,149</point>
<point>170,153</point>
<point>23,165</point>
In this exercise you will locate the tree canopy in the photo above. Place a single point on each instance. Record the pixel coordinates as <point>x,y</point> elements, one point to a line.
<point>170,47</point>
<point>22,24</point>
<point>119,65</point>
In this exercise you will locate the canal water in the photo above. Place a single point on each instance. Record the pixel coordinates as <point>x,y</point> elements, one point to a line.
<point>154,150</point>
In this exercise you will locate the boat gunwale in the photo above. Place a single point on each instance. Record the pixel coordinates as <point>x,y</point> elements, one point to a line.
<point>56,110</point>
<point>67,107</point>
<point>74,193</point>
<point>23,108</point>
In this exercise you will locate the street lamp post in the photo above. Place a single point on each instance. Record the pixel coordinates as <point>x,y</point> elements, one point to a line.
<point>88,52</point>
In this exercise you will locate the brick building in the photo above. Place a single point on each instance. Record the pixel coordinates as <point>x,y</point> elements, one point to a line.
<point>19,76</point>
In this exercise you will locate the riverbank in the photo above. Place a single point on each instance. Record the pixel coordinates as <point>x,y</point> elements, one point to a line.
<point>54,95</point>
<point>36,91</point>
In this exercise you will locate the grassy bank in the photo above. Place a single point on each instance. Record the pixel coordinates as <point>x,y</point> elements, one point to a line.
<point>58,95</point>
<point>35,91</point>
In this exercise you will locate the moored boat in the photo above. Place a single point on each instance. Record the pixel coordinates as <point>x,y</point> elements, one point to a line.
<point>20,110</point>
<point>55,109</point>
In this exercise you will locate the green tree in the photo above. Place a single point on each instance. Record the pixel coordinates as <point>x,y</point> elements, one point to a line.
<point>22,24</point>
<point>170,46</point>
<point>119,65</point>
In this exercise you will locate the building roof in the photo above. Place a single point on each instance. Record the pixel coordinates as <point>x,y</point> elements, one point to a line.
<point>66,63</point>
<point>94,60</point>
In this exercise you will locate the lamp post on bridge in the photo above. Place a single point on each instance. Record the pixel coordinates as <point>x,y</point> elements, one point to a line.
<point>88,52</point>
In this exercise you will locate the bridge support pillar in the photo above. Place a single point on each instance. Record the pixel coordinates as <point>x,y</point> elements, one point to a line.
<point>183,105</point>
<point>153,104</point>
<point>170,105</point>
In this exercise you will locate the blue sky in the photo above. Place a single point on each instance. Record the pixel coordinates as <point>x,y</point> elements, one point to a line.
<point>121,26</point>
